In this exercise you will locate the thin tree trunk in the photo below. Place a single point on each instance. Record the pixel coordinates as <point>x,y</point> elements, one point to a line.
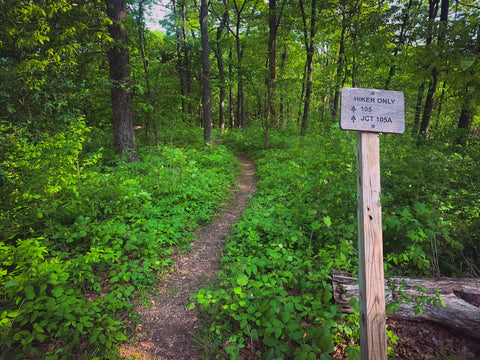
<point>233,122</point>
<point>283,64</point>
<point>418,106</point>
<point>309,39</point>
<point>429,101</point>
<point>180,61</point>
<point>241,111</point>
<point>466,117</point>
<point>400,42</point>
<point>141,45</point>
<point>206,99</point>
<point>221,71</point>
<point>119,59</point>
<point>272,66</point>
<point>186,59</point>
<point>338,76</point>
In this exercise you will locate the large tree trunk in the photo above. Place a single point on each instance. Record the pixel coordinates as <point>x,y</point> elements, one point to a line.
<point>206,98</point>
<point>460,296</point>
<point>119,59</point>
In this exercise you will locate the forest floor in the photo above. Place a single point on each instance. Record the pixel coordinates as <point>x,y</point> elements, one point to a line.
<point>167,329</point>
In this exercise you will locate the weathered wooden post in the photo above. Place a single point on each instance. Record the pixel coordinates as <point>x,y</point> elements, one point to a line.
<point>371,112</point>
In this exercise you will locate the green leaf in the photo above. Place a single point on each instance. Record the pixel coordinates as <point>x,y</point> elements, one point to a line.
<point>327,221</point>
<point>29,292</point>
<point>120,336</point>
<point>11,283</point>
<point>57,292</point>
<point>242,279</point>
<point>272,342</point>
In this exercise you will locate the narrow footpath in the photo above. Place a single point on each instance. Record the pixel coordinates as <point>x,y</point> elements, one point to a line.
<point>166,327</point>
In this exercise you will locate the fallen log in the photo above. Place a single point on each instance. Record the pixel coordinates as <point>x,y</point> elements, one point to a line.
<point>451,302</point>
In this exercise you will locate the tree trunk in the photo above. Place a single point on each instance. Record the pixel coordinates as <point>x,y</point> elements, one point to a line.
<point>400,43</point>
<point>338,76</point>
<point>465,119</point>
<point>283,64</point>
<point>119,59</point>
<point>142,46</point>
<point>418,107</point>
<point>233,121</point>
<point>241,114</point>
<point>221,71</point>
<point>460,296</point>
<point>273,23</point>
<point>309,40</point>
<point>429,101</point>
<point>468,105</point>
<point>180,62</point>
<point>206,99</point>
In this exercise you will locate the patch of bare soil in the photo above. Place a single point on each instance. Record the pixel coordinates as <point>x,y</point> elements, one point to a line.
<point>166,327</point>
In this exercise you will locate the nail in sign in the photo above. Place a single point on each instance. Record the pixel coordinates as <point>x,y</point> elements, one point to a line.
<point>372,110</point>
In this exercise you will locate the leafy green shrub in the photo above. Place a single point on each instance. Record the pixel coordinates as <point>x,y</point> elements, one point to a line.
<point>39,305</point>
<point>83,237</point>
<point>430,205</point>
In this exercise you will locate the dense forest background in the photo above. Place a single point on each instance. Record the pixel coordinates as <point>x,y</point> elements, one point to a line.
<point>110,156</point>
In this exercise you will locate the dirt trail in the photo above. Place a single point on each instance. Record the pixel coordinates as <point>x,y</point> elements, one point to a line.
<point>167,327</point>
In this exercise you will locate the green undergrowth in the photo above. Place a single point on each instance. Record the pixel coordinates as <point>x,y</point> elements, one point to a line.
<point>81,238</point>
<point>274,295</point>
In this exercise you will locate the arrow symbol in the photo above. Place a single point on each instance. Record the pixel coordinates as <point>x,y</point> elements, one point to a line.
<point>353,118</point>
<point>353,109</point>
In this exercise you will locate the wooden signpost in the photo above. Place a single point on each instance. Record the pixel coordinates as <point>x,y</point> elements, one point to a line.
<point>370,112</point>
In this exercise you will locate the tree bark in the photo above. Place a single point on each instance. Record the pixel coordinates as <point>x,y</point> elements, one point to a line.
<point>206,97</point>
<point>460,296</point>
<point>119,59</point>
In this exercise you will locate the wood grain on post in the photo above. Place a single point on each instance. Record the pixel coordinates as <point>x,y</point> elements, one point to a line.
<point>373,338</point>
